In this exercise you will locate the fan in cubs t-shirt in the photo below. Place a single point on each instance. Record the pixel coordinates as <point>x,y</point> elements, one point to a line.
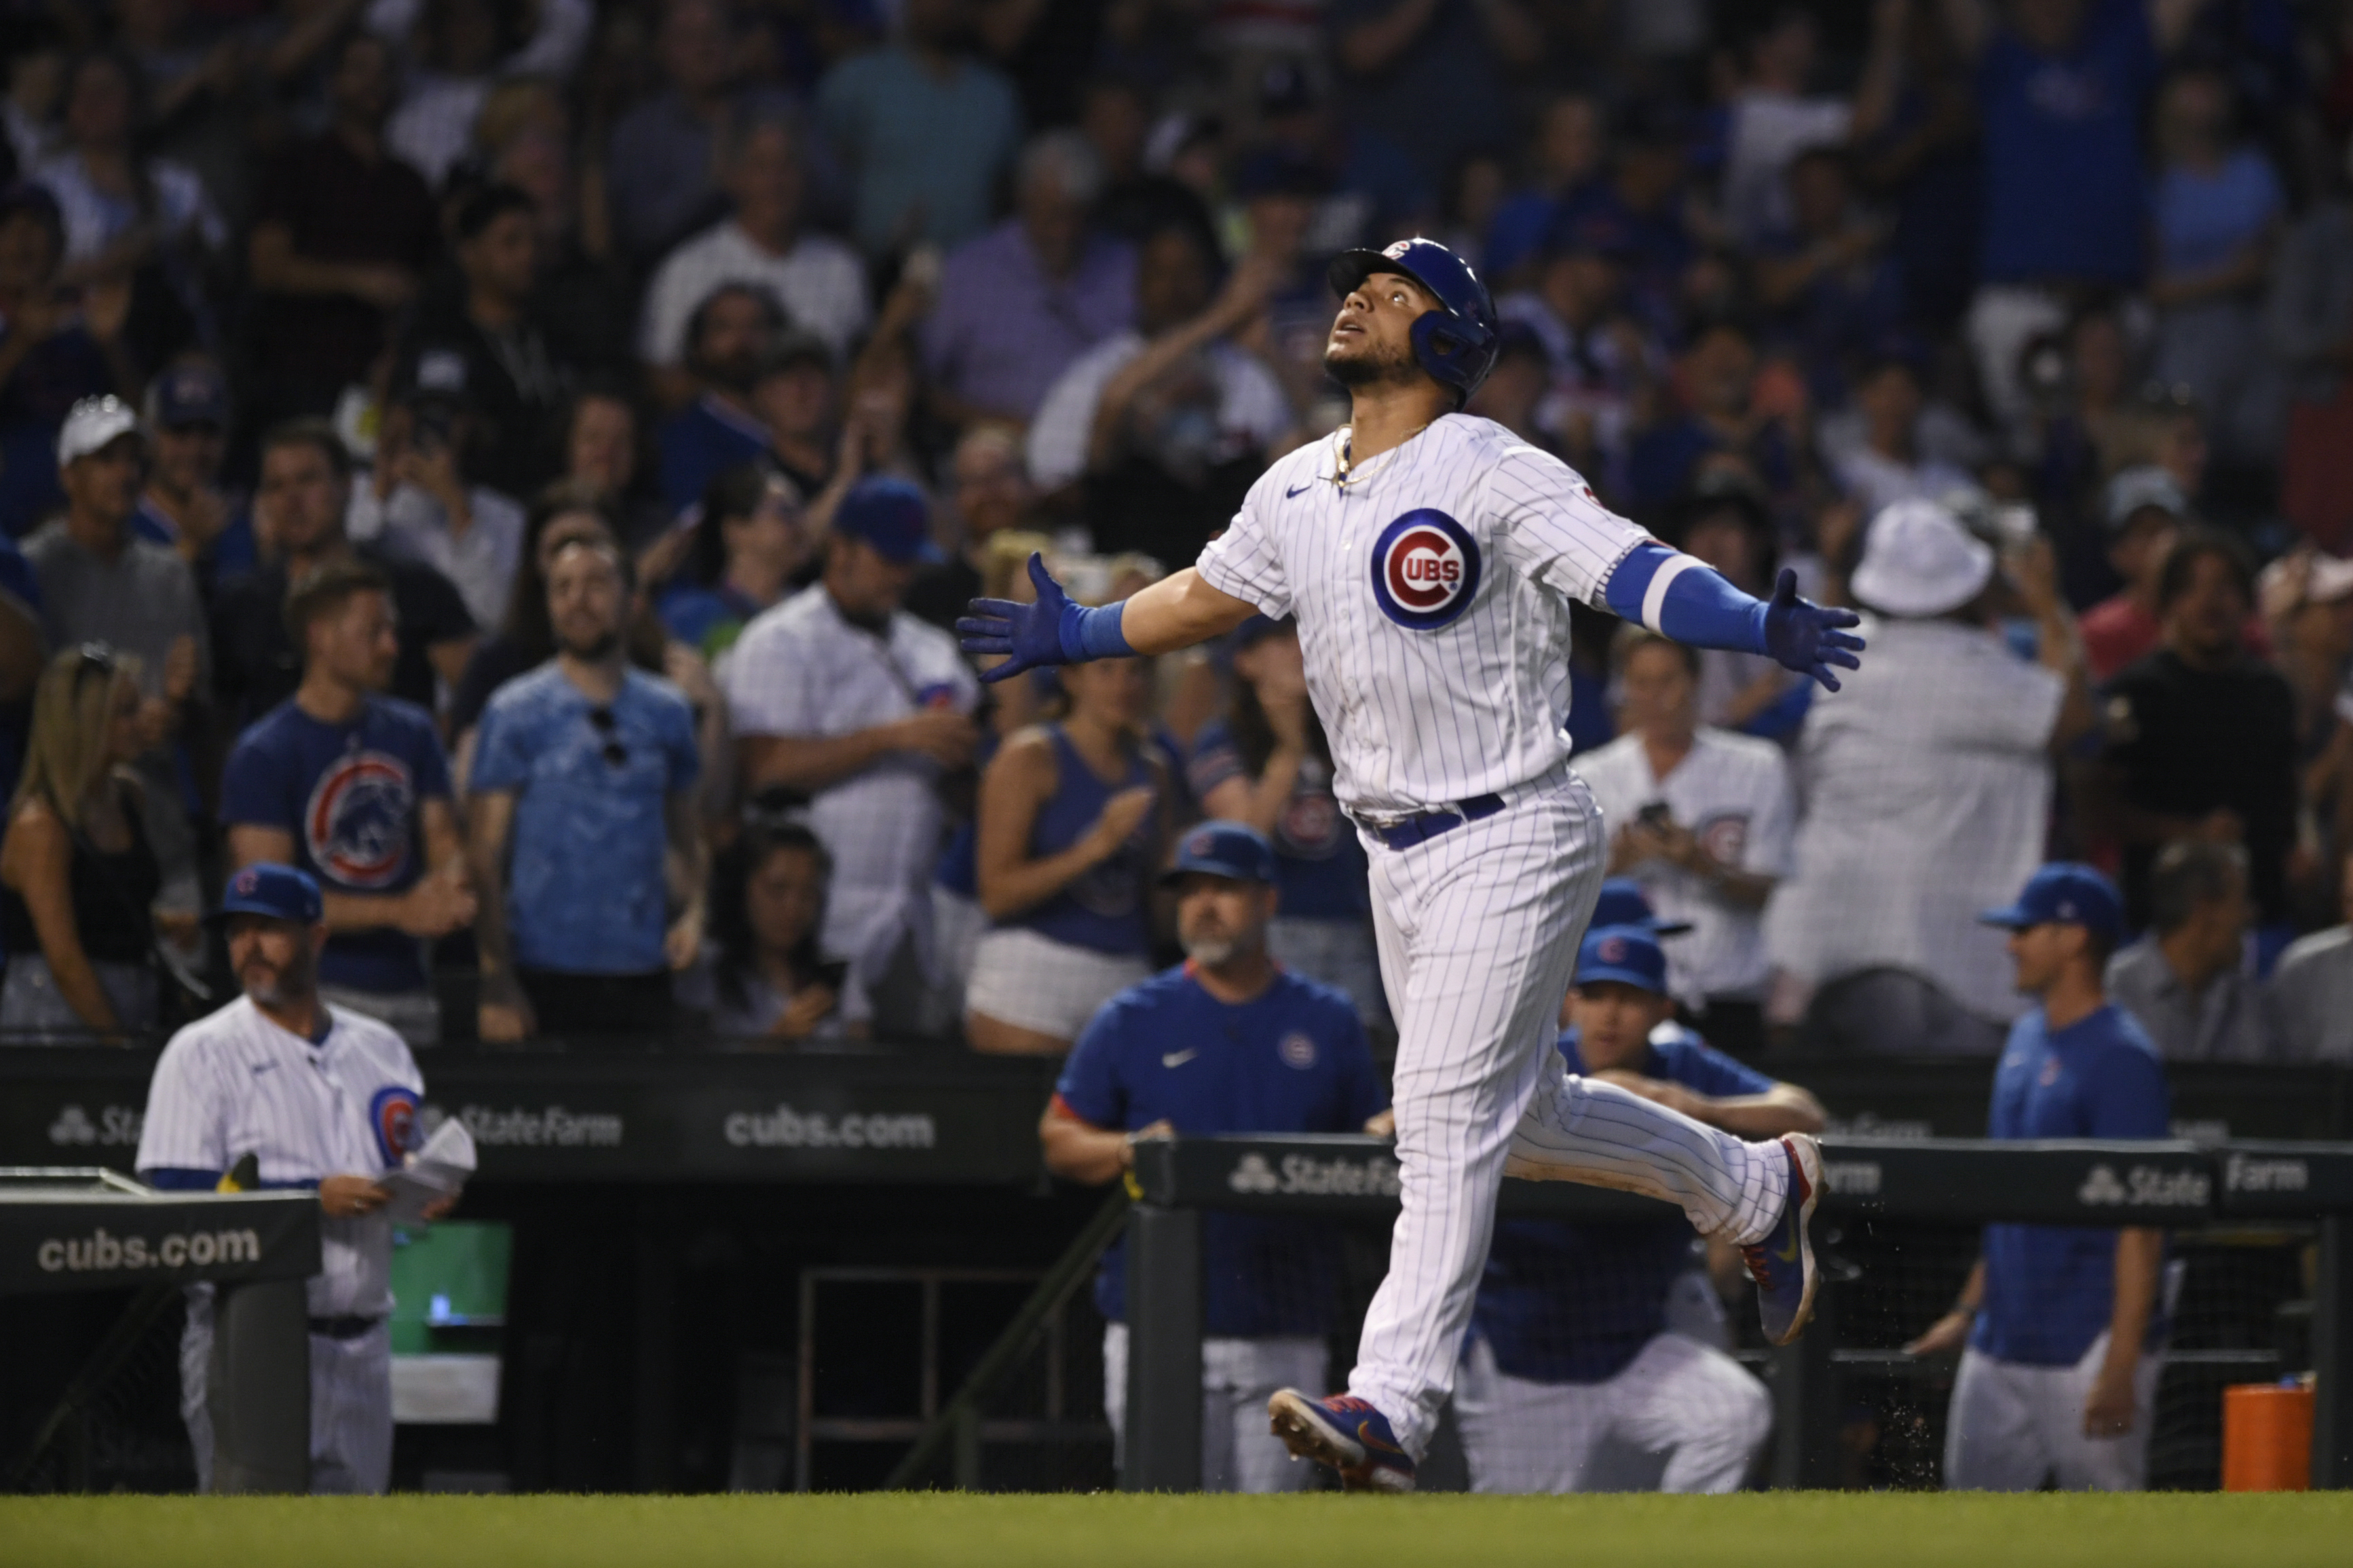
<point>351,795</point>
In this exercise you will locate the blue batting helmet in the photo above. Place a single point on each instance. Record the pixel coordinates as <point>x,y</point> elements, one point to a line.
<point>1456,343</point>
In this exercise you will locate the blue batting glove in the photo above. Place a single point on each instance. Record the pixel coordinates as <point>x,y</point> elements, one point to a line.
<point>1031,636</point>
<point>1806,638</point>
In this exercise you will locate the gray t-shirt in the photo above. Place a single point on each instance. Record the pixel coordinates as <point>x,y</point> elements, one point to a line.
<point>141,602</point>
<point>2227,1022</point>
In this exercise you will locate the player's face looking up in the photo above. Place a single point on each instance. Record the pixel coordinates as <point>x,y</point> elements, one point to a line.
<point>1614,1021</point>
<point>1220,919</point>
<point>1372,338</point>
<point>585,600</point>
<point>276,962</point>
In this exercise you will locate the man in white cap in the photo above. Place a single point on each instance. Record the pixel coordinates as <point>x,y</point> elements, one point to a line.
<point>1927,783</point>
<point>102,583</point>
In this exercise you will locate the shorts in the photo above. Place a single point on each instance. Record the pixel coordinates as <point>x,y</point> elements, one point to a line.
<point>32,1006</point>
<point>1048,987</point>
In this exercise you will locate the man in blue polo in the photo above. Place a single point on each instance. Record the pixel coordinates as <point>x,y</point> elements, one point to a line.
<point>1226,1043</point>
<point>1577,1374</point>
<point>2062,1323</point>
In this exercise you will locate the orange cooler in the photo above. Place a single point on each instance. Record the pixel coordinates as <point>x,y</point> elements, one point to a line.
<point>2266,1437</point>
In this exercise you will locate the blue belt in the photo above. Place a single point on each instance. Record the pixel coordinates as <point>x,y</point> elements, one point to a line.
<point>1414,830</point>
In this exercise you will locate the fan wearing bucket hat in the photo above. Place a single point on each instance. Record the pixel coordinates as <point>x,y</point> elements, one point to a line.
<point>2063,1327</point>
<point>1230,1042</point>
<point>321,1100</point>
<point>1930,780</point>
<point>1579,1347</point>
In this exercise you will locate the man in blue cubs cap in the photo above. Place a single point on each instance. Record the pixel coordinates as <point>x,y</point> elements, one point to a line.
<point>1586,1369</point>
<point>2063,1329</point>
<point>1623,903</point>
<point>1226,1043</point>
<point>314,1098</point>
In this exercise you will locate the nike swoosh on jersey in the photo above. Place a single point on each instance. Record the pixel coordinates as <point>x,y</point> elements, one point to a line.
<point>260,1068</point>
<point>1293,495</point>
<point>1179,1059</point>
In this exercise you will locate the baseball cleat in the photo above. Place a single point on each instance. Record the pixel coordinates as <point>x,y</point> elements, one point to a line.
<point>1344,1433</point>
<point>1782,1263</point>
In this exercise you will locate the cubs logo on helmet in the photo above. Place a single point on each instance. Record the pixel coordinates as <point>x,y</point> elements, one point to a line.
<point>1613,950</point>
<point>356,824</point>
<point>391,1114</point>
<point>1425,570</point>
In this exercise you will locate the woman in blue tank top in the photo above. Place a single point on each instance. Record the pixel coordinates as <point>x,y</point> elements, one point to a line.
<point>1268,763</point>
<point>1073,814</point>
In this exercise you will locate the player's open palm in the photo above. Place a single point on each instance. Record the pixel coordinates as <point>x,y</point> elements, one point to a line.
<point>1811,638</point>
<point>1028,636</point>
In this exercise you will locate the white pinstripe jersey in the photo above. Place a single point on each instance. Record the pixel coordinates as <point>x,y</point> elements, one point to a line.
<point>234,1083</point>
<point>1431,591</point>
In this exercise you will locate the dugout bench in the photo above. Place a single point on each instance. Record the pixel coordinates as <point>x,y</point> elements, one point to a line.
<point>66,1228</point>
<point>2167,1185</point>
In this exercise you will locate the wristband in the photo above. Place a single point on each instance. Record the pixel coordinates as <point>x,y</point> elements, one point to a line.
<point>1091,634</point>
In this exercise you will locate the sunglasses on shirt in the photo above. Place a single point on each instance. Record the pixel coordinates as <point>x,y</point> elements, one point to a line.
<point>608,727</point>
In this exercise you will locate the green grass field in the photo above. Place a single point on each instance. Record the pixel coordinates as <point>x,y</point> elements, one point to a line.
<point>1752,1530</point>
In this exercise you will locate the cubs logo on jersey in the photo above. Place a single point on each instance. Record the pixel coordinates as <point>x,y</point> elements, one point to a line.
<point>356,825</point>
<point>392,1115</point>
<point>1425,570</point>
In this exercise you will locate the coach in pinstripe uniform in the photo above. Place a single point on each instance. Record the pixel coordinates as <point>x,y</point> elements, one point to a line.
<point>325,1100</point>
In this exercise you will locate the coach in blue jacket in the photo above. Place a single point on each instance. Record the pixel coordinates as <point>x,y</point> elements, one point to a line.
<point>1226,1043</point>
<point>2061,1322</point>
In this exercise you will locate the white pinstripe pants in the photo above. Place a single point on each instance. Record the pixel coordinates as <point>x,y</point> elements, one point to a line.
<point>1479,929</point>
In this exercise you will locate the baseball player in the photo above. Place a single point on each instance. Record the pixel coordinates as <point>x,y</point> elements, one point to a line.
<point>1229,1043</point>
<point>325,1099</point>
<point>1575,1377</point>
<point>1430,559</point>
<point>2062,1325</point>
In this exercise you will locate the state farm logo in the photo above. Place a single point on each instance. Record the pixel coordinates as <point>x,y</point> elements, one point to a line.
<point>552,1128</point>
<point>2145,1187</point>
<point>1375,1176</point>
<point>1425,570</point>
<point>117,1127</point>
<point>2247,1173</point>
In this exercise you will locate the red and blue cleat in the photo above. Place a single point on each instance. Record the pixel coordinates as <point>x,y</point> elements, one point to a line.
<point>1782,1262</point>
<point>1344,1433</point>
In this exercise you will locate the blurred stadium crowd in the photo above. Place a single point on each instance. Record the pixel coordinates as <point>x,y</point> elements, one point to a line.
<point>518,458</point>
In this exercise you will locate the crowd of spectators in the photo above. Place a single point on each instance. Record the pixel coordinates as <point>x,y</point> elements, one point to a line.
<point>517,460</point>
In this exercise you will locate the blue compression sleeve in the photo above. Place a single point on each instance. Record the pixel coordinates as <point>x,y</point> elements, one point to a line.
<point>1678,596</point>
<point>1094,634</point>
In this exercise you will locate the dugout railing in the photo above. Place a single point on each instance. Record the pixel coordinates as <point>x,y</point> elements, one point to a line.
<point>2172,1185</point>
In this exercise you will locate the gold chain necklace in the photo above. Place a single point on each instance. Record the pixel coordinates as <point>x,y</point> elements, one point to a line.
<point>1347,444</point>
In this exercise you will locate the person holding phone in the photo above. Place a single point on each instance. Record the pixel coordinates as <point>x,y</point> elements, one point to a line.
<point>1700,818</point>
<point>769,985</point>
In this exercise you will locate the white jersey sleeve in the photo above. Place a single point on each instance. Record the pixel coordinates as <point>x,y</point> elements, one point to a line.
<point>1550,528</point>
<point>186,1127</point>
<point>1242,562</point>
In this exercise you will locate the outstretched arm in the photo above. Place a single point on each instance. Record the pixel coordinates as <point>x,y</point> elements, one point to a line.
<point>1175,612</point>
<point>1678,597</point>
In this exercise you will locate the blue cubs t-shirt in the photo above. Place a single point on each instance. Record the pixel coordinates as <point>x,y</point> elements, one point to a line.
<point>1566,1301</point>
<point>2064,192</point>
<point>586,892</point>
<point>351,795</point>
<point>2049,1288</point>
<point>1292,1060</point>
<point>1319,864</point>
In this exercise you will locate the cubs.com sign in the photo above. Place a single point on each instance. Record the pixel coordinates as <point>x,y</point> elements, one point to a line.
<point>1425,570</point>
